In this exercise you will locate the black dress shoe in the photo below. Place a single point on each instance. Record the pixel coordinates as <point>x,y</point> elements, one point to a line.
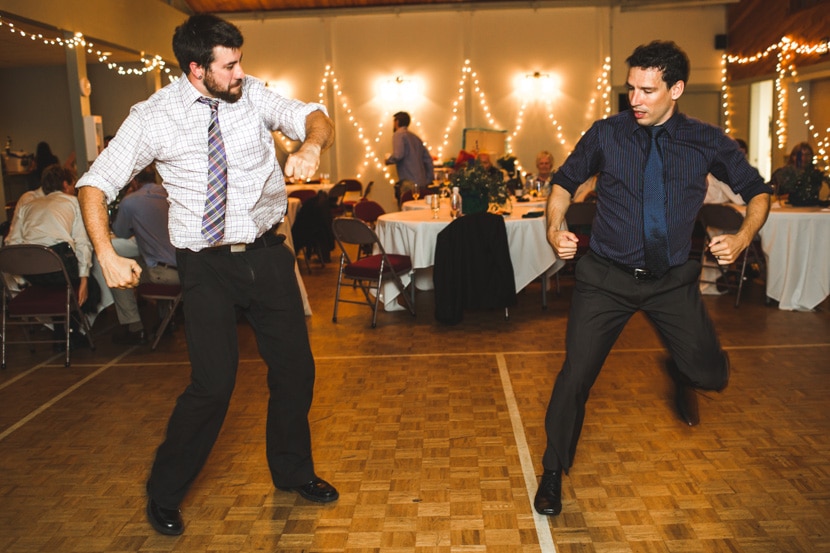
<point>130,338</point>
<point>164,521</point>
<point>548,499</point>
<point>685,401</point>
<point>317,490</point>
<point>685,398</point>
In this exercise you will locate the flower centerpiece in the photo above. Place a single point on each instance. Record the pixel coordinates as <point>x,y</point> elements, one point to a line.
<point>479,187</point>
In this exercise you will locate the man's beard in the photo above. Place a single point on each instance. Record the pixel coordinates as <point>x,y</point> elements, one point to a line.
<point>223,94</point>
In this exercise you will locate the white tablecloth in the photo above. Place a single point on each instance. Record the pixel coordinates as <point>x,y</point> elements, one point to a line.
<point>414,233</point>
<point>289,188</point>
<point>421,203</point>
<point>796,244</point>
<point>285,228</point>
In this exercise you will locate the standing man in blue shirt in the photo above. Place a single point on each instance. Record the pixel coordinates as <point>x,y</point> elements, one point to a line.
<point>409,155</point>
<point>639,257</point>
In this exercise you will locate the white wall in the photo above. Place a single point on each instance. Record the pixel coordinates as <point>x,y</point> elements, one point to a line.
<point>429,46</point>
<point>501,44</point>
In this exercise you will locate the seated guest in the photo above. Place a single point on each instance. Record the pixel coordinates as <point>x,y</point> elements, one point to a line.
<point>587,191</point>
<point>55,221</point>
<point>544,171</point>
<point>143,214</point>
<point>486,161</point>
<point>25,198</point>
<point>800,158</point>
<point>718,192</point>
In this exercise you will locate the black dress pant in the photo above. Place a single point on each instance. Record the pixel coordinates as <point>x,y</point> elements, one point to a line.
<point>605,297</point>
<point>260,283</point>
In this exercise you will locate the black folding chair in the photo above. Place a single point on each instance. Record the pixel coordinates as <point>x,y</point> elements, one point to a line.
<point>36,305</point>
<point>723,219</point>
<point>372,269</point>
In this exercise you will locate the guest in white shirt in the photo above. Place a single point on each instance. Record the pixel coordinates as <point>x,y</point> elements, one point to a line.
<point>54,219</point>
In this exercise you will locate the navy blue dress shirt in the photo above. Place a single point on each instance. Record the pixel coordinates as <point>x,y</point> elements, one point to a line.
<point>616,149</point>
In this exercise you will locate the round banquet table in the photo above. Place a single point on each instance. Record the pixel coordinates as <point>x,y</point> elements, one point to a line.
<point>413,232</point>
<point>796,244</point>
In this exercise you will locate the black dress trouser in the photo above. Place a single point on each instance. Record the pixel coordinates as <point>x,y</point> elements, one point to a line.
<point>261,283</point>
<point>605,297</point>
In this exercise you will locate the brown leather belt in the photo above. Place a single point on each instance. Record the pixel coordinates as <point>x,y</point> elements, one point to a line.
<point>267,240</point>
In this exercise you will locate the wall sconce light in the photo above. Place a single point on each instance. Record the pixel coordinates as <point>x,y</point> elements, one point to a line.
<point>538,86</point>
<point>401,93</point>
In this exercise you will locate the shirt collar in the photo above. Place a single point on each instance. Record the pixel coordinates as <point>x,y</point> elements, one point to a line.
<point>189,94</point>
<point>671,125</point>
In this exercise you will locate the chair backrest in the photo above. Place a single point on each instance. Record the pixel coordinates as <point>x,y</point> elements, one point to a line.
<point>30,259</point>
<point>155,290</point>
<point>368,189</point>
<point>368,210</point>
<point>472,267</point>
<point>336,194</point>
<point>352,185</point>
<point>303,194</point>
<point>580,213</point>
<point>349,230</point>
<point>720,216</point>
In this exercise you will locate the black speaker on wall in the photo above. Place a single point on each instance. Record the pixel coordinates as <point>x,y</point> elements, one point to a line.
<point>720,42</point>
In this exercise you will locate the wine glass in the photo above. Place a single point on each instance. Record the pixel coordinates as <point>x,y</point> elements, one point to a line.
<point>435,204</point>
<point>416,192</point>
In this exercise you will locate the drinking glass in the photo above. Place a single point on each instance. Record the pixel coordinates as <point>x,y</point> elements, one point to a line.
<point>435,204</point>
<point>416,192</point>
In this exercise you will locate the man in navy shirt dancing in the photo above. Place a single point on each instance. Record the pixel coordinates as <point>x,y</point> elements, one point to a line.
<point>651,163</point>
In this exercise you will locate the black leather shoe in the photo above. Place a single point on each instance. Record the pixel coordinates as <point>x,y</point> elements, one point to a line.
<point>164,521</point>
<point>548,499</point>
<point>685,401</point>
<point>317,490</point>
<point>685,398</point>
<point>127,338</point>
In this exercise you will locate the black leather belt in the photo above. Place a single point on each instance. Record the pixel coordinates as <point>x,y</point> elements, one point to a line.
<point>637,273</point>
<point>267,240</point>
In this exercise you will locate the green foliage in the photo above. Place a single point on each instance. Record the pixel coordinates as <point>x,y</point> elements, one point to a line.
<point>803,186</point>
<point>474,178</point>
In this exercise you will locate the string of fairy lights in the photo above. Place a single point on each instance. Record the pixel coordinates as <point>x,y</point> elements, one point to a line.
<point>786,51</point>
<point>149,63</point>
<point>373,144</point>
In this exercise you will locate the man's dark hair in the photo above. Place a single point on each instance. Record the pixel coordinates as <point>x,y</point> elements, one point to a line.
<point>402,118</point>
<point>665,56</point>
<point>195,39</point>
<point>53,178</point>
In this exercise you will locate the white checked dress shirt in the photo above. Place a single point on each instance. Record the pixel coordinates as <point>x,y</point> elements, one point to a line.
<point>171,128</point>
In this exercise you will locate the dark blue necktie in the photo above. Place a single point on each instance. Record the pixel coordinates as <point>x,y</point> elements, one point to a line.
<point>654,209</point>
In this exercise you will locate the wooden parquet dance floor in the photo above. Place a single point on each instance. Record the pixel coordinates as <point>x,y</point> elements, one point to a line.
<point>434,437</point>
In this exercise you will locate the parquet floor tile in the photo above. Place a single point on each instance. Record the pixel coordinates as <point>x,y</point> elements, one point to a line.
<point>433,436</point>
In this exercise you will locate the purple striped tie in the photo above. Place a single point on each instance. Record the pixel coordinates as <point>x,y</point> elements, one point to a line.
<point>213,221</point>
